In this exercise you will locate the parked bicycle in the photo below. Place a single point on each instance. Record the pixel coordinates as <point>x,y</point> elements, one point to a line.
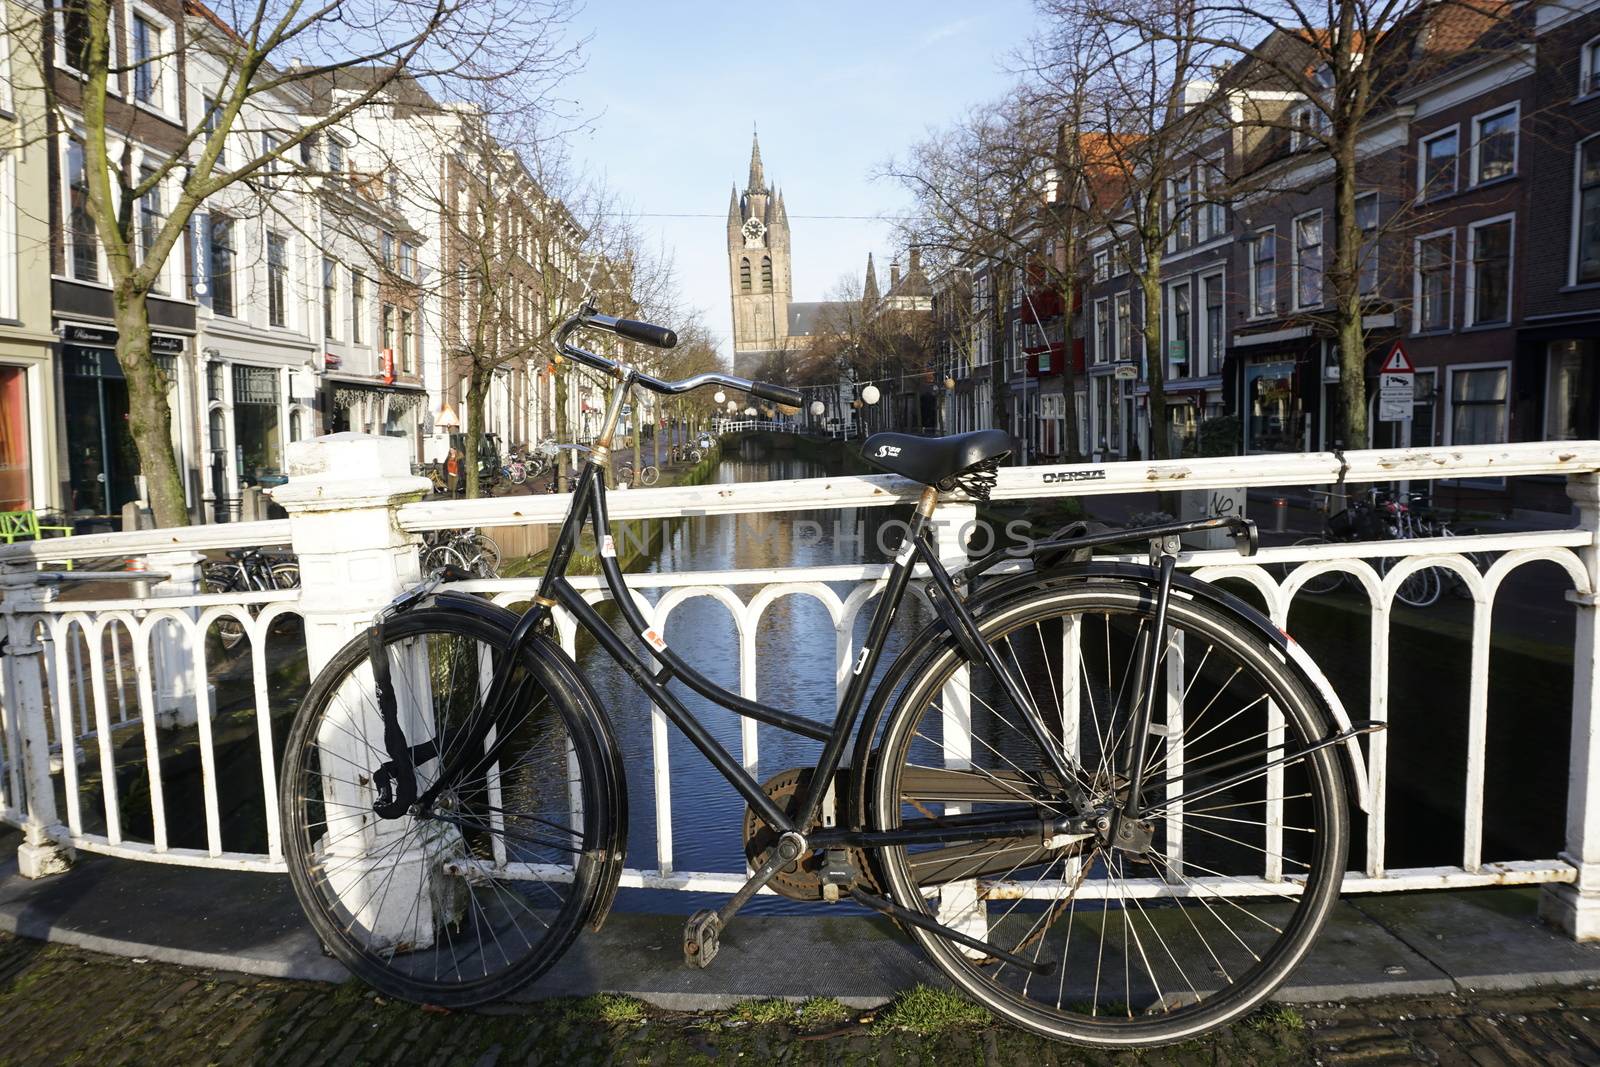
<point>685,454</point>
<point>1133,858</point>
<point>247,570</point>
<point>470,552</point>
<point>1380,515</point>
<point>647,474</point>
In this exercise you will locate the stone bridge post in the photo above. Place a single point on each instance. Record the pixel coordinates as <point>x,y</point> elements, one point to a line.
<point>23,686</point>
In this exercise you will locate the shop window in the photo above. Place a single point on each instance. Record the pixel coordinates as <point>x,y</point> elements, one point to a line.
<point>257,444</point>
<point>1489,271</point>
<point>1478,408</point>
<point>1272,410</point>
<point>1586,214</point>
<point>1435,282</point>
<point>16,467</point>
<point>1571,399</point>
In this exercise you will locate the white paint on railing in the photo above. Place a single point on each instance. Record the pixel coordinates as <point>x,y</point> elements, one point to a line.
<point>84,712</point>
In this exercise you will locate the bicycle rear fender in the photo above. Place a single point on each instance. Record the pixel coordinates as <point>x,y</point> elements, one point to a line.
<point>614,835</point>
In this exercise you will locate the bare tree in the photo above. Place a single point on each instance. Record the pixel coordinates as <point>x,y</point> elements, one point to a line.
<point>1346,60</point>
<point>1004,188</point>
<point>265,53</point>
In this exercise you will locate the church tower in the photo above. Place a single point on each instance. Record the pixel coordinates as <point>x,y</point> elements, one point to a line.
<point>758,270</point>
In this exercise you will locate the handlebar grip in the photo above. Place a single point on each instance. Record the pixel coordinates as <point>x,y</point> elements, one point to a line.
<point>778,394</point>
<point>646,333</point>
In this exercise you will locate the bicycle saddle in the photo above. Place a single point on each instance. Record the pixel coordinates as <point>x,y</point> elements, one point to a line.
<point>931,460</point>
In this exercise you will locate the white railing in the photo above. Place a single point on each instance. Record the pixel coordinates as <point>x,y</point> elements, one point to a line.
<point>747,425</point>
<point>69,712</point>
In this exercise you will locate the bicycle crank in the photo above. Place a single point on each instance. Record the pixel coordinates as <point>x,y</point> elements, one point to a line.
<point>703,932</point>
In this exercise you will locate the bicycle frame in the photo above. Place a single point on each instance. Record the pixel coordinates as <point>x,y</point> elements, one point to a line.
<point>589,507</point>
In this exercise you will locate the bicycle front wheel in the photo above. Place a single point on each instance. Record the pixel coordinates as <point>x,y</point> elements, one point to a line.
<point>1180,929</point>
<point>488,557</point>
<point>649,475</point>
<point>467,900</point>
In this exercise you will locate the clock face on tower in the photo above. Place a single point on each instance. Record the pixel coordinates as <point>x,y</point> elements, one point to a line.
<point>753,229</point>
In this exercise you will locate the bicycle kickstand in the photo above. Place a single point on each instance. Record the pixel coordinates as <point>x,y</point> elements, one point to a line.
<point>703,933</point>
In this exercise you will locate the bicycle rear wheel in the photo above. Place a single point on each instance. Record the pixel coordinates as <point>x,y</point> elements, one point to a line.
<point>1145,943</point>
<point>466,901</point>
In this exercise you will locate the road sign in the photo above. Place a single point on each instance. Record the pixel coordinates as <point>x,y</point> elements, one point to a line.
<point>1396,386</point>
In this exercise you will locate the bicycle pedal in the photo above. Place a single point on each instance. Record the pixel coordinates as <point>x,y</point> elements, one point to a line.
<point>701,938</point>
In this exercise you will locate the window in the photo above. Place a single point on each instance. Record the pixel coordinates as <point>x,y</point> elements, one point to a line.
<point>1494,145</point>
<point>1264,273</point>
<point>1586,214</point>
<point>335,157</point>
<point>151,220</point>
<point>1589,68</point>
<point>212,123</point>
<point>330,297</point>
<point>269,144</point>
<point>1489,271</point>
<point>1307,124</point>
<point>386,249</point>
<point>1124,327</point>
<point>84,254</point>
<point>1422,409</point>
<point>1435,282</point>
<point>221,267</point>
<point>1214,212</point>
<point>766,274</point>
<point>408,260</point>
<point>1478,405</point>
<point>277,279</point>
<point>1102,331</point>
<point>1102,266</point>
<point>1180,218</point>
<point>1308,260</point>
<point>387,326</point>
<point>1437,175</point>
<point>405,343</point>
<point>1213,326</point>
<point>1179,318</point>
<point>358,305</point>
<point>148,49</point>
<point>1570,400</point>
<point>1367,223</point>
<point>75,34</point>
<point>744,275</point>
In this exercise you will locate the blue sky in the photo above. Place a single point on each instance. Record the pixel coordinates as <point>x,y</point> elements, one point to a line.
<point>834,88</point>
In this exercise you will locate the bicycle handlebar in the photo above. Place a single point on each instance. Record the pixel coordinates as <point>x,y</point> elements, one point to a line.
<point>660,337</point>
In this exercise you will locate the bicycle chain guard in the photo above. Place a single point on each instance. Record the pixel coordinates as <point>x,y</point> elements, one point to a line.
<point>804,879</point>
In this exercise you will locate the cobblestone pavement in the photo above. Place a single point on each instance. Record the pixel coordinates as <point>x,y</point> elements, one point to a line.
<point>61,1005</point>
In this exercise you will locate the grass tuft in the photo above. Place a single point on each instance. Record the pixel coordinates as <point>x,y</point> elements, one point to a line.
<point>1278,1017</point>
<point>926,1010</point>
<point>611,1008</point>
<point>821,1011</point>
<point>763,1012</point>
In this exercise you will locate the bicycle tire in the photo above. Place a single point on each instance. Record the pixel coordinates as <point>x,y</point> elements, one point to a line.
<point>486,563</point>
<point>437,558</point>
<point>1321,584</point>
<point>220,579</point>
<point>649,475</point>
<point>1234,974</point>
<point>285,575</point>
<point>1419,589</point>
<point>476,839</point>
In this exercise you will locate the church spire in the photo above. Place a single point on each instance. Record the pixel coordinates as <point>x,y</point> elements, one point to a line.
<point>780,212</point>
<point>733,205</point>
<point>758,178</point>
<point>869,291</point>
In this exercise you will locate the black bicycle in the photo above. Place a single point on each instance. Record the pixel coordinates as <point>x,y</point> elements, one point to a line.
<point>1108,800</point>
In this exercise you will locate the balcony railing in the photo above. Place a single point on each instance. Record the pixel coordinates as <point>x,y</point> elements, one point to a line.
<point>101,682</point>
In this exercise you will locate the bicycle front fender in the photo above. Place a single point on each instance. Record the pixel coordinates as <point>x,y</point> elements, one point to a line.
<point>614,834</point>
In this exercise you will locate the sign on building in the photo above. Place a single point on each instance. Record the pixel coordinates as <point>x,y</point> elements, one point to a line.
<point>1396,386</point>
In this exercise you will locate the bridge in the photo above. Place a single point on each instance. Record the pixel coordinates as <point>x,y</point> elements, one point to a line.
<point>102,674</point>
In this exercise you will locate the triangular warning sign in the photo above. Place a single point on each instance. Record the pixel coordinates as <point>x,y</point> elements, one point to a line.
<point>1397,362</point>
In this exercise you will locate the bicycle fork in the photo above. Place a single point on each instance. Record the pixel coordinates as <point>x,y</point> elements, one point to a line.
<point>1123,826</point>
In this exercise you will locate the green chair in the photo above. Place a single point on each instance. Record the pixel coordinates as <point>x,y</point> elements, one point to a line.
<point>26,526</point>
